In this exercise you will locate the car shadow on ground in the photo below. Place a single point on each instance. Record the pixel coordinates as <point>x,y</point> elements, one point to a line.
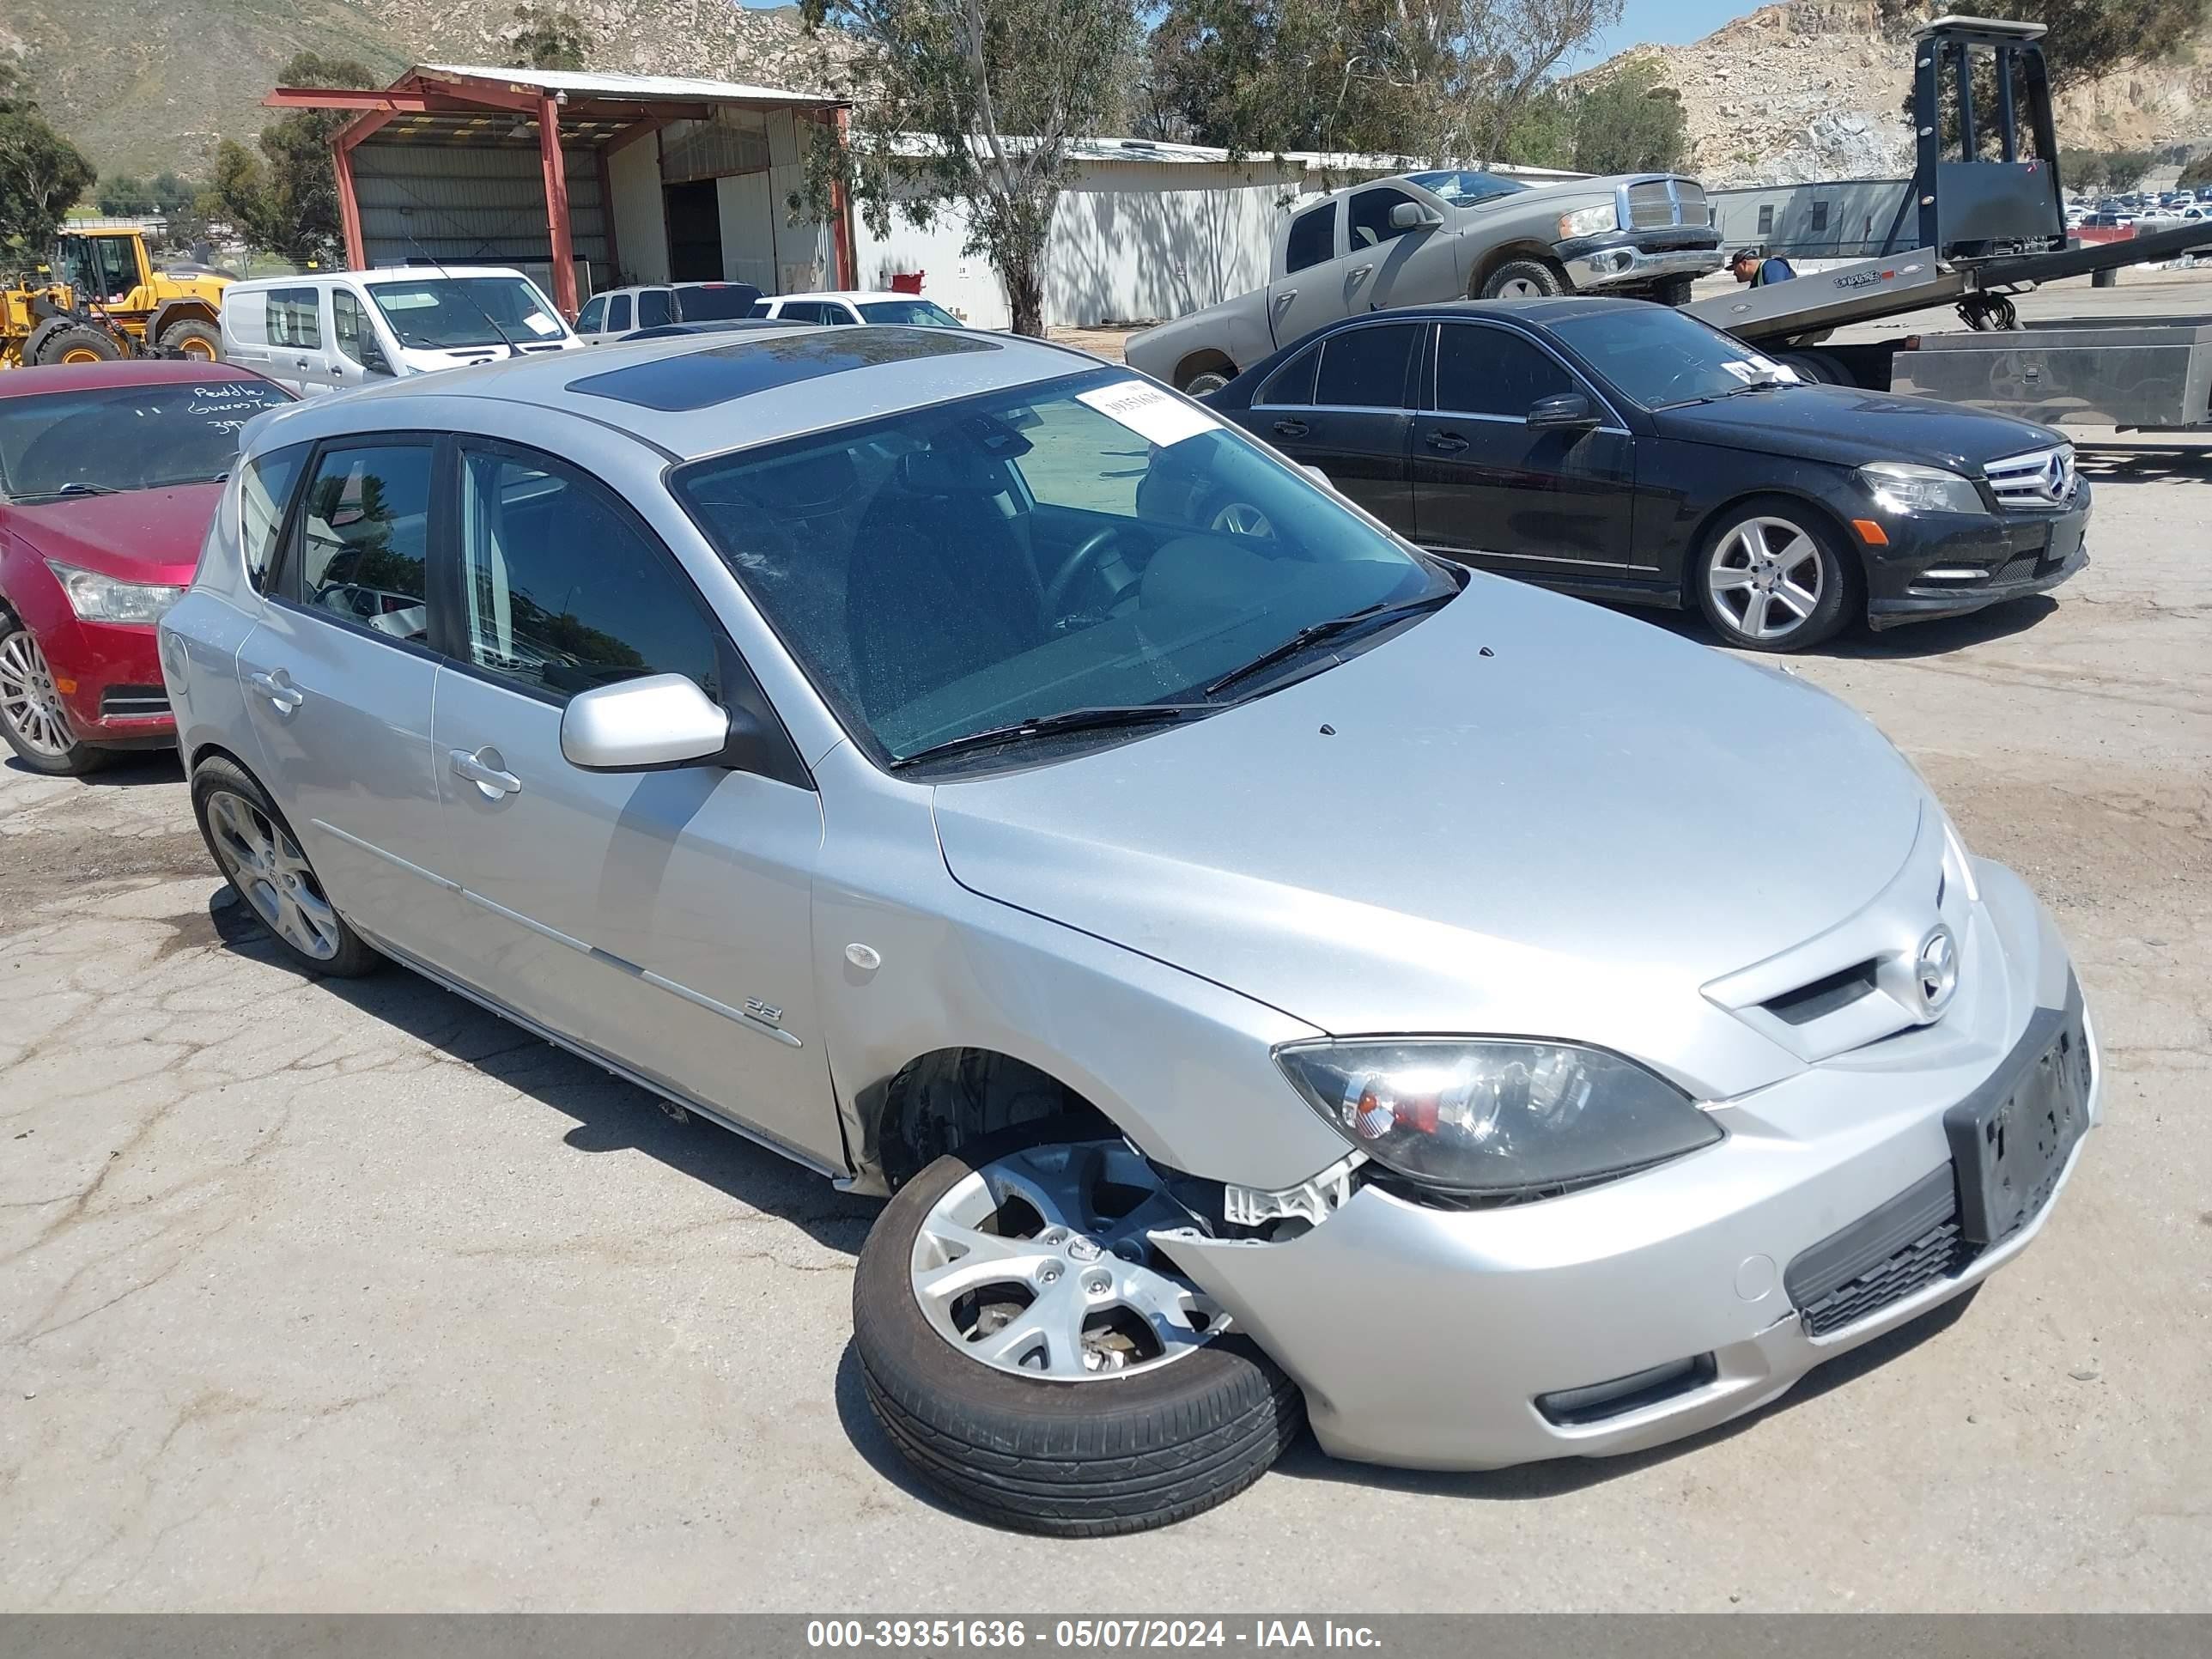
<point>610,1115</point>
<point>1306,1461</point>
<point>125,770</point>
<point>1926,639</point>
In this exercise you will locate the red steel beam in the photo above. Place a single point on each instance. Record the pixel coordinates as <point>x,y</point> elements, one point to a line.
<point>557,205</point>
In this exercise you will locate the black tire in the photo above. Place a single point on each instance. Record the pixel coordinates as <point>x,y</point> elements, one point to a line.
<point>1840,596</point>
<point>354,956</point>
<point>191,333</point>
<point>1201,382</point>
<point>1673,290</point>
<point>1514,273</point>
<point>31,745</point>
<point>79,342</point>
<point>1067,1459</point>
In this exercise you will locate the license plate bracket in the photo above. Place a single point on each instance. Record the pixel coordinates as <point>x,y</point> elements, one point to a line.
<point>2011,1139</point>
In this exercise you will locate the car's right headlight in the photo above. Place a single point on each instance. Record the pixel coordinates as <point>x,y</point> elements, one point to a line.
<point>1588,221</point>
<point>1908,487</point>
<point>1496,1119</point>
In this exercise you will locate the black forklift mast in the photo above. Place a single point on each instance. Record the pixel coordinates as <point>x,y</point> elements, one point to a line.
<point>1971,207</point>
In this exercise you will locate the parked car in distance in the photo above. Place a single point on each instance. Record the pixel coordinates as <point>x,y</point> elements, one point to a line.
<point>851,306</point>
<point>1624,451</point>
<point>328,331</point>
<point>1422,238</point>
<point>109,473</point>
<point>927,752</point>
<point>616,312</point>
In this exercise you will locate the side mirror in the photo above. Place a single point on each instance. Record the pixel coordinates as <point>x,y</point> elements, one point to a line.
<point>1567,411</point>
<point>1411,215</point>
<point>372,358</point>
<point>1316,474</point>
<point>642,726</point>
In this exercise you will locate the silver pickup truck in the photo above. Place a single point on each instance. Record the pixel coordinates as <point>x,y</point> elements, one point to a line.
<point>1424,238</point>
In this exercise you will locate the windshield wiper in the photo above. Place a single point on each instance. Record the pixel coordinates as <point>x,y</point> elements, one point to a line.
<point>1328,630</point>
<point>1767,385</point>
<point>1069,720</point>
<point>76,488</point>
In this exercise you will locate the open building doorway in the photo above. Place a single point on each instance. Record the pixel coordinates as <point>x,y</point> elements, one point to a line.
<point>695,233</point>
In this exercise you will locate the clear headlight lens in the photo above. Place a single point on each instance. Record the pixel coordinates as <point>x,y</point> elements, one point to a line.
<point>1907,487</point>
<point>1496,1119</point>
<point>96,598</point>
<point>1588,221</point>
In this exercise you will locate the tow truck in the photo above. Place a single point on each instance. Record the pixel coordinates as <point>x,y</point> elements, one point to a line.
<point>1986,228</point>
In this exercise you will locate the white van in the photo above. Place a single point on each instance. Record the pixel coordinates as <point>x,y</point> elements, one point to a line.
<point>329,330</point>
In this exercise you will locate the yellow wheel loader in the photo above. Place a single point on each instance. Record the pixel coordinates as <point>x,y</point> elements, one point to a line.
<point>100,298</point>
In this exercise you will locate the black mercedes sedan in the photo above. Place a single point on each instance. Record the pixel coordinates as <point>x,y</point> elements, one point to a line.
<point>1622,450</point>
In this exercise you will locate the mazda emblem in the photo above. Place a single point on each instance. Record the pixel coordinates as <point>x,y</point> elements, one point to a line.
<point>1936,972</point>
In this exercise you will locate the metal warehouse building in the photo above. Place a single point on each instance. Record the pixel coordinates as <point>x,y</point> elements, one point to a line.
<point>585,181</point>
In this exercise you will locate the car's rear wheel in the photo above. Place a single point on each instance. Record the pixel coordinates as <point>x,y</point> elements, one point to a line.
<point>193,338</point>
<point>1205,381</point>
<point>32,718</point>
<point>1770,577</point>
<point>258,853</point>
<point>1039,1360</point>
<point>1521,279</point>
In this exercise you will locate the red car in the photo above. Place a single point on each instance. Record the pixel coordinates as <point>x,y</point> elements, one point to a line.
<point>109,474</point>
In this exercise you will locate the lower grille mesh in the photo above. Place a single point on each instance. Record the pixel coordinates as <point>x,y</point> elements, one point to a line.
<point>1913,1240</point>
<point>1936,1253</point>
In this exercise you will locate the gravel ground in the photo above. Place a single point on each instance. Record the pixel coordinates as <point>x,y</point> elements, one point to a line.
<point>340,1296</point>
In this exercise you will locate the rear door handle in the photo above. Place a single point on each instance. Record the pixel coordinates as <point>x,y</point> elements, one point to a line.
<point>1291,428</point>
<point>1286,297</point>
<point>1450,442</point>
<point>492,779</point>
<point>1361,271</point>
<point>278,690</point>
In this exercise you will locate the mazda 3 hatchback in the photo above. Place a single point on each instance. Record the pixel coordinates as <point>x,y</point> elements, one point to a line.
<point>983,776</point>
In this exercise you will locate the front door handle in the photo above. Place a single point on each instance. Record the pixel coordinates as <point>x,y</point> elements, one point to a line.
<point>1450,442</point>
<point>1291,428</point>
<point>487,774</point>
<point>278,688</point>
<point>1361,271</point>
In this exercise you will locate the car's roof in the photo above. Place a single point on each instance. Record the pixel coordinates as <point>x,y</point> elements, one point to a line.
<point>128,371</point>
<point>852,293</point>
<point>697,395</point>
<point>381,274</point>
<point>654,288</point>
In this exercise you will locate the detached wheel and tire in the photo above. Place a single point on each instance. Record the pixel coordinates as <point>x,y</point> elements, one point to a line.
<point>258,853</point>
<point>193,338</point>
<point>1040,1362</point>
<point>32,718</point>
<point>1521,279</point>
<point>1674,290</point>
<point>1770,578</point>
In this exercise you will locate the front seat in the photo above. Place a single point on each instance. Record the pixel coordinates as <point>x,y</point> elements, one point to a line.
<point>940,585</point>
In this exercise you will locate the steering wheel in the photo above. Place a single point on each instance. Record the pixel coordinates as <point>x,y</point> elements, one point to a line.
<point>1088,555</point>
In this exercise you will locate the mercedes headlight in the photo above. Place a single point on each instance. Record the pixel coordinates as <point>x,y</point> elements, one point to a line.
<point>96,598</point>
<point>1588,221</point>
<point>1495,1119</point>
<point>1907,487</point>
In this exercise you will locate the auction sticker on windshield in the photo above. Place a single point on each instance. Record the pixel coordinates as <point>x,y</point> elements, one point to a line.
<point>1153,415</point>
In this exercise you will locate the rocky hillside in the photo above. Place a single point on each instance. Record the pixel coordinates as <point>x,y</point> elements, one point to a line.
<point>143,88</point>
<point>1815,88</point>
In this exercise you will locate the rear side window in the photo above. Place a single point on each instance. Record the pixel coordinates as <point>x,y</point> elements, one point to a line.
<point>264,489</point>
<point>1312,240</point>
<point>1365,367</point>
<point>653,310</point>
<point>296,319</point>
<point>1487,371</point>
<point>1293,383</point>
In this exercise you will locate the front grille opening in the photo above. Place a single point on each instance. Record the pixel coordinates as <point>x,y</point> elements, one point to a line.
<point>133,701</point>
<point>1600,1401</point>
<point>1823,997</point>
<point>1906,1244</point>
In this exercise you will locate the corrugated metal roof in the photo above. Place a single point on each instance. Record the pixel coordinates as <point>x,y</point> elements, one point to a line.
<point>1304,161</point>
<point>643,88</point>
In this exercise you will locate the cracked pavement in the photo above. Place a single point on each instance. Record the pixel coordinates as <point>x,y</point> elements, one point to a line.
<point>342,1296</point>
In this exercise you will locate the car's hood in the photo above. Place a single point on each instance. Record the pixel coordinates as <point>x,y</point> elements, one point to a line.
<point>138,535</point>
<point>1567,837</point>
<point>1850,428</point>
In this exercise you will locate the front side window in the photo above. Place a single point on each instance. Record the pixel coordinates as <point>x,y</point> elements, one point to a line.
<point>364,538</point>
<point>1365,367</point>
<point>351,328</point>
<point>296,319</point>
<point>590,318</point>
<point>564,592</point>
<point>1657,357</point>
<point>618,314</point>
<point>1370,218</point>
<point>442,313</point>
<point>1488,371</point>
<point>105,439</point>
<point>1312,239</point>
<point>653,309</point>
<point>1082,543</point>
<point>264,489</point>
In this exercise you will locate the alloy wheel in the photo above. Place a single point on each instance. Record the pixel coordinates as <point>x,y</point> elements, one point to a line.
<point>266,865</point>
<point>1767,578</point>
<point>28,702</point>
<point>1520,288</point>
<point>1242,519</point>
<point>1039,1264</point>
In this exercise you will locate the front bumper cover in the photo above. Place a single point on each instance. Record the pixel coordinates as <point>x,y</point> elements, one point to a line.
<point>1950,564</point>
<point>1426,1337</point>
<point>1619,257</point>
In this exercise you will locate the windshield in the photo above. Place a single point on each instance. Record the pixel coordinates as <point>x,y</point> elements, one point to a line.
<point>1088,544</point>
<point>1463,188</point>
<point>908,313</point>
<point>438,313</point>
<point>715,302</point>
<point>1659,358</point>
<point>125,437</point>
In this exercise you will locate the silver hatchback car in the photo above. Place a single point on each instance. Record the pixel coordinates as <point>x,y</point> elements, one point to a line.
<point>1272,975</point>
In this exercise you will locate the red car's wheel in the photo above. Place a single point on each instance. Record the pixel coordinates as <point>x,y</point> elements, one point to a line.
<point>31,715</point>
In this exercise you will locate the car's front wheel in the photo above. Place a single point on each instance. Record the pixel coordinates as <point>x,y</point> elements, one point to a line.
<point>32,718</point>
<point>1770,577</point>
<point>1039,1360</point>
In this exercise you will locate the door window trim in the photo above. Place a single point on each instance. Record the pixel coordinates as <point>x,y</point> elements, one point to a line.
<point>1403,406</point>
<point>1432,399</point>
<point>284,583</point>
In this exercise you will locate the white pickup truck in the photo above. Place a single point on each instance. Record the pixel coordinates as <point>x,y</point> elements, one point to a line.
<point>1424,238</point>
